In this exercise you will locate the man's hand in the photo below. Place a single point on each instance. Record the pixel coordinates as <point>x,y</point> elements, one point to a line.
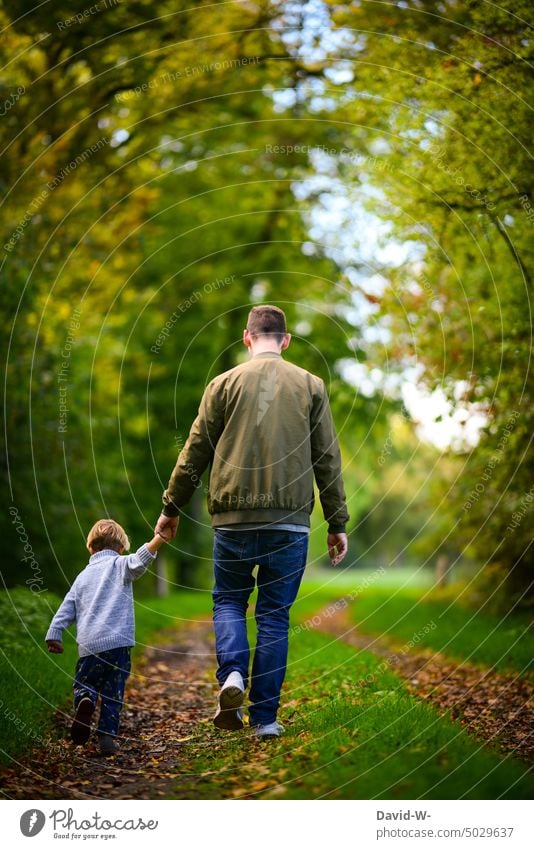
<point>337,547</point>
<point>55,647</point>
<point>167,526</point>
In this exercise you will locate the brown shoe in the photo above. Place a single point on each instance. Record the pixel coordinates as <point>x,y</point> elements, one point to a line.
<point>81,726</point>
<point>107,744</point>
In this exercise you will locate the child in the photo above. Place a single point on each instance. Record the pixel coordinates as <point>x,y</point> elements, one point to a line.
<point>100,601</point>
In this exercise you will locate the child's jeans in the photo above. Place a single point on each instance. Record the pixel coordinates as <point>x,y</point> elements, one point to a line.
<point>105,675</point>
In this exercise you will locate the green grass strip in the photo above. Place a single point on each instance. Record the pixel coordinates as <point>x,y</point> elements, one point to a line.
<point>353,732</point>
<point>503,643</point>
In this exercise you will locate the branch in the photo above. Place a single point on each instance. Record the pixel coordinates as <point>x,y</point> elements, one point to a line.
<point>511,247</point>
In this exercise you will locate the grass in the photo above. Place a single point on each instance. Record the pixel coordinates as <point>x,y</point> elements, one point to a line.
<point>503,643</point>
<point>35,683</point>
<point>348,741</point>
<point>354,731</point>
<point>346,578</point>
<point>439,621</point>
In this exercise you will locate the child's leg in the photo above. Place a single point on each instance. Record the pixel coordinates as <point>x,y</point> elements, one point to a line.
<point>86,688</point>
<point>87,679</point>
<point>112,689</point>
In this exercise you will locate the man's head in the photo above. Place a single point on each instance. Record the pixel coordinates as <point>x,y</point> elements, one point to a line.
<point>107,534</point>
<point>266,330</point>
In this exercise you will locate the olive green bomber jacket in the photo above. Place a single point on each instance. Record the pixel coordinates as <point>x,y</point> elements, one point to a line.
<point>265,429</point>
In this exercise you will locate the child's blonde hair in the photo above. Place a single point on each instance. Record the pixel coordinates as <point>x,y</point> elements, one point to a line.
<point>107,534</point>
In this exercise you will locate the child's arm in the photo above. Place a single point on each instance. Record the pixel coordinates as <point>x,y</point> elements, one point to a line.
<point>137,564</point>
<point>64,617</point>
<point>156,542</point>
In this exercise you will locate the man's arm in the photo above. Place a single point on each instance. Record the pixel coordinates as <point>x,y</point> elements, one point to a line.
<point>193,459</point>
<point>326,461</point>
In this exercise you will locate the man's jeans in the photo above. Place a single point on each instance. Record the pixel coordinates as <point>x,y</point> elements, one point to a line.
<point>281,558</point>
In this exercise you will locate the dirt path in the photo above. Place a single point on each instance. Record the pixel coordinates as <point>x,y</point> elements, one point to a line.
<point>496,708</point>
<point>171,691</point>
<point>169,706</point>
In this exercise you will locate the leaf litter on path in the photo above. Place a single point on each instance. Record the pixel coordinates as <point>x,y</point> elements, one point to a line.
<point>171,690</point>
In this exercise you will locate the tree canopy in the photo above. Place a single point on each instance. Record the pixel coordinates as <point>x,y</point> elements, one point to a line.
<point>363,166</point>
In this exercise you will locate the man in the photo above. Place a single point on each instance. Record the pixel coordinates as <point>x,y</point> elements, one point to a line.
<point>266,430</point>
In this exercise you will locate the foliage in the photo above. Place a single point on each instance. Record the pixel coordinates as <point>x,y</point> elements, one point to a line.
<point>444,141</point>
<point>147,199</point>
<point>161,174</point>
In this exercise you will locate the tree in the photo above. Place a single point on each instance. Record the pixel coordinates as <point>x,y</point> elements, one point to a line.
<point>449,163</point>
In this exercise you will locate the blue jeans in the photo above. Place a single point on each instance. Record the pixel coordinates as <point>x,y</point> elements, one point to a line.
<point>104,674</point>
<point>281,558</point>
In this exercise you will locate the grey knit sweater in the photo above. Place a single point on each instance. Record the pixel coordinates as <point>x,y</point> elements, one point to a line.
<point>100,601</point>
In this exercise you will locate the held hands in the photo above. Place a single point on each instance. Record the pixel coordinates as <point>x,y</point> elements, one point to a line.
<point>166,527</point>
<point>164,535</point>
<point>337,547</point>
<point>55,647</point>
<point>161,536</point>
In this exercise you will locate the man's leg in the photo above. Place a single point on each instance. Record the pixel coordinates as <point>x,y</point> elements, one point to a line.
<point>233,563</point>
<point>282,559</point>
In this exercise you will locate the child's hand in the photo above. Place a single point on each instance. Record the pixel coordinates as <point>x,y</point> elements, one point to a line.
<point>159,539</point>
<point>55,647</point>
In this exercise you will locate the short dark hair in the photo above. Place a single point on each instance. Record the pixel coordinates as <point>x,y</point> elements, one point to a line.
<point>267,320</point>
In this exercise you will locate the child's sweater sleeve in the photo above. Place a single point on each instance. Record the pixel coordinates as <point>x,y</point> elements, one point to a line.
<point>135,565</point>
<point>64,617</point>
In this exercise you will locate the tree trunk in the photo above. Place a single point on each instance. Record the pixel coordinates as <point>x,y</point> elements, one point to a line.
<point>162,583</point>
<point>442,570</point>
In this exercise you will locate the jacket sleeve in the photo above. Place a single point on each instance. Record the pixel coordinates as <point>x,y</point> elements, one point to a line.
<point>65,616</point>
<point>197,452</point>
<point>326,460</point>
<point>136,564</point>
